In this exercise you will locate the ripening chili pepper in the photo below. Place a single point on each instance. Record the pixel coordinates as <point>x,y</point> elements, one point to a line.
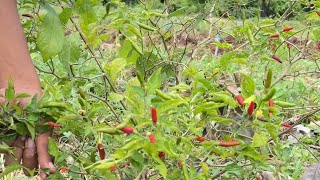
<point>251,108</point>
<point>272,47</point>
<point>289,45</point>
<point>200,139</point>
<point>287,29</point>
<point>287,125</point>
<point>127,130</point>
<point>152,138</point>
<point>276,58</point>
<point>101,151</point>
<point>161,154</point>
<point>54,125</point>
<point>63,169</point>
<point>274,36</point>
<point>113,168</point>
<point>154,116</point>
<point>27,15</point>
<point>270,105</point>
<point>318,12</point>
<point>240,100</point>
<point>318,46</point>
<point>228,144</point>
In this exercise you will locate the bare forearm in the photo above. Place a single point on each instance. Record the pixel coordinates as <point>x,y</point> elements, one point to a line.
<point>15,61</point>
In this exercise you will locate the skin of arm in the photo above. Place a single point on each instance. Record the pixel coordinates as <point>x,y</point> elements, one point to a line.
<point>16,63</point>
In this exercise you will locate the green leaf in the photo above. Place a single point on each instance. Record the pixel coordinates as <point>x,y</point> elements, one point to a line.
<point>225,121</point>
<point>65,15</point>
<point>154,81</point>
<point>9,93</point>
<point>178,12</point>
<point>248,86</point>
<point>22,95</point>
<point>273,131</point>
<point>52,147</point>
<point>251,153</point>
<point>259,139</point>
<point>31,129</point>
<point>6,148</point>
<point>50,38</point>
<point>87,14</point>
<point>127,52</point>
<point>9,169</point>
<point>115,97</point>
<point>115,67</point>
<point>225,59</point>
<point>71,50</point>
<point>162,170</point>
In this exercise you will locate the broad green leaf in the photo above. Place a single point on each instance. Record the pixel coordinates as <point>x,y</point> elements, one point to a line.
<point>154,81</point>
<point>225,59</point>
<point>115,97</point>
<point>52,147</point>
<point>9,169</point>
<point>127,52</point>
<point>259,139</point>
<point>9,93</point>
<point>178,12</point>
<point>87,14</point>
<point>71,50</point>
<point>248,86</point>
<point>50,38</point>
<point>273,131</point>
<point>239,61</point>
<point>115,67</point>
<point>162,169</point>
<point>222,120</point>
<point>65,15</point>
<point>251,153</point>
<point>31,129</point>
<point>6,148</point>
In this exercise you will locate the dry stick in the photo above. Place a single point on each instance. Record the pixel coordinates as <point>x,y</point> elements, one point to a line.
<point>305,147</point>
<point>297,122</point>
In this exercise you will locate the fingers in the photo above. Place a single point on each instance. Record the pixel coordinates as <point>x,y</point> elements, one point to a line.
<point>18,145</point>
<point>29,159</point>
<point>44,158</point>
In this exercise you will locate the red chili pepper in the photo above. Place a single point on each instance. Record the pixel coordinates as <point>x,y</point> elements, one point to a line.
<point>27,15</point>
<point>276,58</point>
<point>240,100</point>
<point>152,138</point>
<point>274,36</point>
<point>287,125</point>
<point>161,155</point>
<point>318,12</point>
<point>127,130</point>
<point>200,139</point>
<point>102,153</point>
<point>228,144</point>
<point>154,116</point>
<point>318,46</point>
<point>270,105</point>
<point>259,177</point>
<point>289,45</point>
<point>251,108</point>
<point>180,164</point>
<point>231,138</point>
<point>287,29</point>
<point>63,169</point>
<point>113,168</point>
<point>54,125</point>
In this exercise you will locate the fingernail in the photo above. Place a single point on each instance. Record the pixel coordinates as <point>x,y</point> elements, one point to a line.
<point>30,143</point>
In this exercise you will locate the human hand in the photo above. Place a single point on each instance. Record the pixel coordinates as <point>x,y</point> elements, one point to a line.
<point>33,153</point>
